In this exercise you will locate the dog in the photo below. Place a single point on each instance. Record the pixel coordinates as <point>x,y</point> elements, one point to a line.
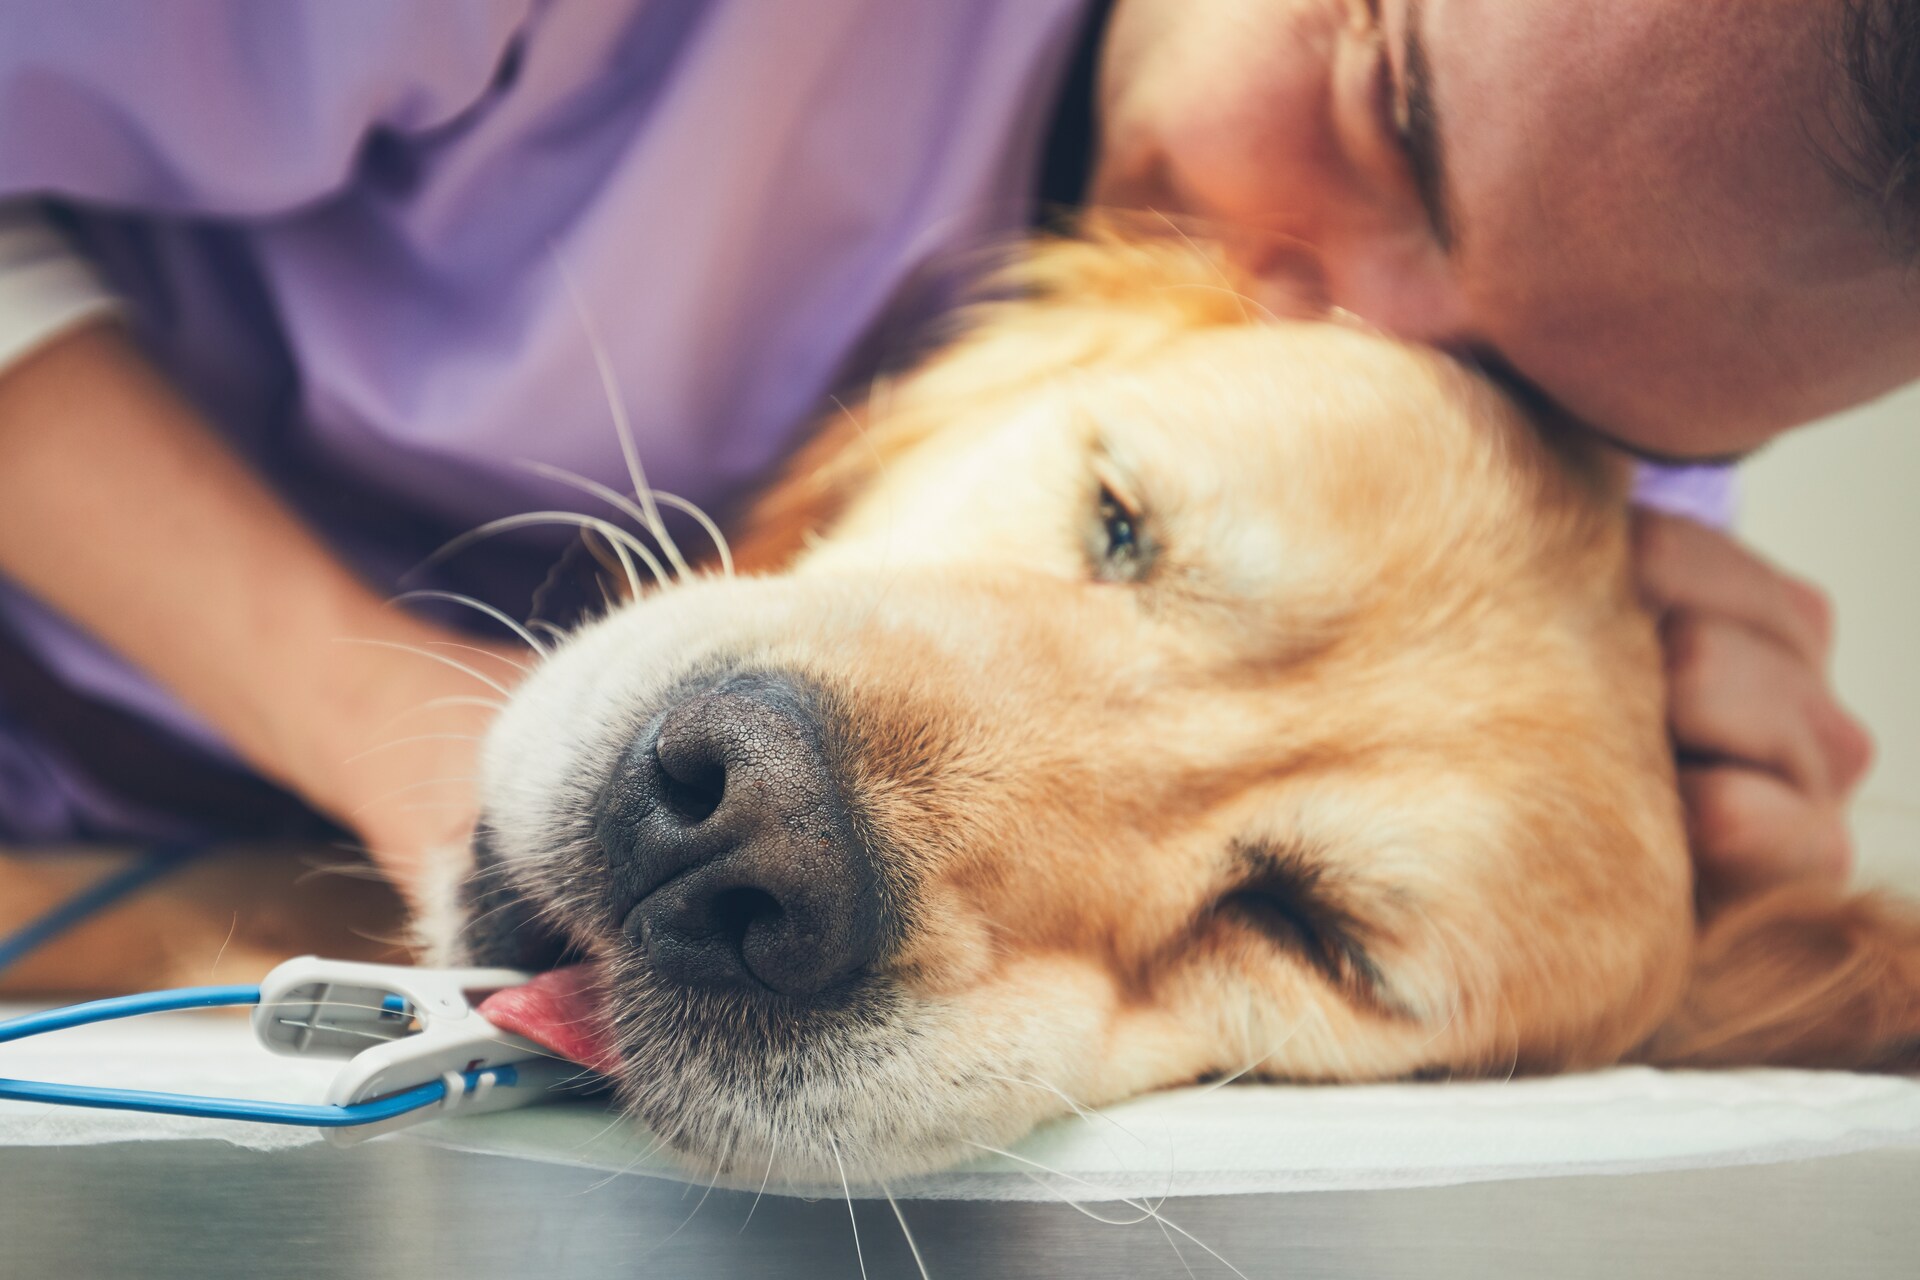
<point>1140,690</point>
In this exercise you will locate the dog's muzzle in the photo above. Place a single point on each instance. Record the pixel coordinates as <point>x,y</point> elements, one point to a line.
<point>736,859</point>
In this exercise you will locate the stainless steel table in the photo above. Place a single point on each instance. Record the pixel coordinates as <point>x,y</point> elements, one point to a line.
<point>406,1210</point>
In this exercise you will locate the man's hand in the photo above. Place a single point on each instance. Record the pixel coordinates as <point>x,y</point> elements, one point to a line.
<point>1768,757</point>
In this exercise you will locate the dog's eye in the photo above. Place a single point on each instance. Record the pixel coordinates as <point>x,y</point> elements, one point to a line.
<point>1123,539</point>
<point>1120,551</point>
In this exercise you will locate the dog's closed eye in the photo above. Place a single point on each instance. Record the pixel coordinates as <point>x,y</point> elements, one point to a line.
<point>1283,897</point>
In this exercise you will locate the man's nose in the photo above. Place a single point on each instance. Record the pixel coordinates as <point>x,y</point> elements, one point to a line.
<point>727,829</point>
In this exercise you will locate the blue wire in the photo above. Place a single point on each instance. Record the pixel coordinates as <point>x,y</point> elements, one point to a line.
<point>94,899</point>
<point>317,1115</point>
<point>79,1015</point>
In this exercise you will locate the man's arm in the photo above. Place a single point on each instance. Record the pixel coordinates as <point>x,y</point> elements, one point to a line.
<point>120,508</point>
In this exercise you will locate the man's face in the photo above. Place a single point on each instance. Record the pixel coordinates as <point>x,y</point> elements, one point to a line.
<point>1631,205</point>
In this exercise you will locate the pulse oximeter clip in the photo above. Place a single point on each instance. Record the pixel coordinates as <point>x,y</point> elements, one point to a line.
<point>415,1045</point>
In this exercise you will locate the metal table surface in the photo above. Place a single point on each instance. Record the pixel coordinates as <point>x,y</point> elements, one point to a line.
<point>208,1210</point>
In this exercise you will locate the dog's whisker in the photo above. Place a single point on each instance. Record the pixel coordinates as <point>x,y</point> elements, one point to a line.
<point>1174,1245</point>
<point>627,507</point>
<point>225,942</point>
<point>617,1121</point>
<point>548,629</point>
<point>1090,1115</point>
<point>622,426</point>
<point>624,544</point>
<point>648,1152</point>
<point>473,922</point>
<point>441,658</point>
<point>616,1174</point>
<point>1079,1108</point>
<point>901,1218</point>
<point>773,1148</point>
<point>858,1252</point>
<point>1513,1063</point>
<point>625,548</point>
<point>605,492</point>
<point>707,523</point>
<point>1061,1197</point>
<point>1087,1114</point>
<point>479,649</point>
<point>357,868</point>
<point>690,1216</point>
<point>397,942</point>
<point>1135,1204</point>
<point>481,606</point>
<point>613,497</point>
<point>541,916</point>
<point>1253,1065</point>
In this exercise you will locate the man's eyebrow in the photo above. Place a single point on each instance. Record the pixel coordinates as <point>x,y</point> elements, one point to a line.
<point>1422,126</point>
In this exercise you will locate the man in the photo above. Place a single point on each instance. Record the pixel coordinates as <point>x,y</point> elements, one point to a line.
<point>1684,224</point>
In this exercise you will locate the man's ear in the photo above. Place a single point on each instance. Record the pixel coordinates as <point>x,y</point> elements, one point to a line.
<point>1801,978</point>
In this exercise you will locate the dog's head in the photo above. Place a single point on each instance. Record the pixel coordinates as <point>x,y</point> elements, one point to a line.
<point>1141,691</point>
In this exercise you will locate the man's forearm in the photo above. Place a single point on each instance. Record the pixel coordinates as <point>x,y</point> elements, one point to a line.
<point>121,509</point>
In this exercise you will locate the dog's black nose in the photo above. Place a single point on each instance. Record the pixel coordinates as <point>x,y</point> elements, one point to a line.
<point>727,829</point>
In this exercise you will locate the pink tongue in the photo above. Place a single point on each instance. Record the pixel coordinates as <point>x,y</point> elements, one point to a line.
<point>558,1010</point>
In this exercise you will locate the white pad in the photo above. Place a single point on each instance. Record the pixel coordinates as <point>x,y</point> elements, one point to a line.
<point>1242,1138</point>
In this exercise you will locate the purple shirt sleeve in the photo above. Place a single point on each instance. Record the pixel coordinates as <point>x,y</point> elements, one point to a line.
<point>1709,495</point>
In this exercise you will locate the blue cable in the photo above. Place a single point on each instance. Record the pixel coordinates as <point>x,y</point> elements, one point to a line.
<point>80,1015</point>
<point>314,1114</point>
<point>317,1115</point>
<point>94,899</point>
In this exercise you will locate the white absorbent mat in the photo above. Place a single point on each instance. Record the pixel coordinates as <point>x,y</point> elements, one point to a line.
<point>1242,1138</point>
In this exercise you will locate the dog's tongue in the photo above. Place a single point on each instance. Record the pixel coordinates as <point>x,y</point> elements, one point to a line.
<point>558,1010</point>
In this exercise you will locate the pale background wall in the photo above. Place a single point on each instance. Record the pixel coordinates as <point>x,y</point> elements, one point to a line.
<point>1840,503</point>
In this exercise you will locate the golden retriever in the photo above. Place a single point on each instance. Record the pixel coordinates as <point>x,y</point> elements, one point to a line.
<point>1141,690</point>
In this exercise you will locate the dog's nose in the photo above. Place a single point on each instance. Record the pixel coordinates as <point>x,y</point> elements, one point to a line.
<point>726,828</point>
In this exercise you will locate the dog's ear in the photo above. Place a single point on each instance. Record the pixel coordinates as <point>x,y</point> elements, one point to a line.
<point>1801,978</point>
